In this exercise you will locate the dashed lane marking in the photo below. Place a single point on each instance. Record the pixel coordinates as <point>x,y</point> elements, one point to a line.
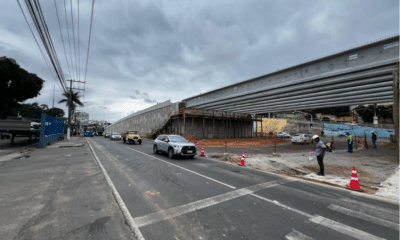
<point>204,203</point>
<point>364,216</point>
<point>296,235</point>
<point>212,179</point>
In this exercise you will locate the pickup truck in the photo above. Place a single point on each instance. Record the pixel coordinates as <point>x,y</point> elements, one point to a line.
<point>132,136</point>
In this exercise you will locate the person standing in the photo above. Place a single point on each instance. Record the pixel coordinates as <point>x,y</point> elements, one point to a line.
<point>320,149</point>
<point>329,146</point>
<point>322,133</point>
<point>374,139</point>
<point>350,143</point>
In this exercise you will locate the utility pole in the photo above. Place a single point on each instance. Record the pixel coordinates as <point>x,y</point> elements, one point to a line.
<point>69,111</point>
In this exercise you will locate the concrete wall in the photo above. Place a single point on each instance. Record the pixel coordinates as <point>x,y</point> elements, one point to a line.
<point>146,120</point>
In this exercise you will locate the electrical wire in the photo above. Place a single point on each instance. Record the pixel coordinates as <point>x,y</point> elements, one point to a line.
<point>73,34</point>
<point>40,25</point>
<point>62,38</point>
<point>69,41</point>
<point>40,49</point>
<point>90,35</point>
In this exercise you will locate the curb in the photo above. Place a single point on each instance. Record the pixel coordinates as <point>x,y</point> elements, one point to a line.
<point>322,183</point>
<point>128,217</point>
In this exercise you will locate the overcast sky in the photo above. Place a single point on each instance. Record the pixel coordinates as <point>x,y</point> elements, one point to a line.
<point>144,52</point>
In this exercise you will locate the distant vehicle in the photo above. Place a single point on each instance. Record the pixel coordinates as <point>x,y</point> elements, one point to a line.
<point>107,134</point>
<point>88,134</point>
<point>174,145</point>
<point>99,131</point>
<point>131,136</point>
<point>115,136</point>
<point>283,135</point>
<point>301,138</point>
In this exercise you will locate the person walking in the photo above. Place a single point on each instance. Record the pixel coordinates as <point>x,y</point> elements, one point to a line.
<point>322,133</point>
<point>350,143</point>
<point>320,149</point>
<point>374,139</point>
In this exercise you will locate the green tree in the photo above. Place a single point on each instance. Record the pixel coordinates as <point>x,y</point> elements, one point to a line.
<point>72,101</point>
<point>16,85</point>
<point>55,112</point>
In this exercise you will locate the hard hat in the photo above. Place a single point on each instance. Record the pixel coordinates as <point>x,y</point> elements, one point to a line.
<point>315,136</point>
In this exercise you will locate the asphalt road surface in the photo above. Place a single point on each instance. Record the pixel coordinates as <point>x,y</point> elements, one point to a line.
<point>204,199</point>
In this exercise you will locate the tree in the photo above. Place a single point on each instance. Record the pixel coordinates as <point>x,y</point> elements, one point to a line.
<point>72,100</point>
<point>367,113</point>
<point>55,112</point>
<point>16,85</point>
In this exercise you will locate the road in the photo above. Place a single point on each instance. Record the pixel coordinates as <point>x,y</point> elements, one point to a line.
<point>206,199</point>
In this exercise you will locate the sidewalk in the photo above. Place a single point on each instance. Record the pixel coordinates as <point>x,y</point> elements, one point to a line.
<point>58,192</point>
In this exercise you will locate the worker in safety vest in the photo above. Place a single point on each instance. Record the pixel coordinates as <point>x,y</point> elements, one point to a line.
<point>350,143</point>
<point>329,146</point>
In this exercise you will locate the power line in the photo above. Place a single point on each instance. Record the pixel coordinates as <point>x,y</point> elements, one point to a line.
<point>41,26</point>
<point>90,35</point>
<point>62,38</point>
<point>40,49</point>
<point>48,41</point>
<point>73,34</point>
<point>79,55</point>
<point>69,41</point>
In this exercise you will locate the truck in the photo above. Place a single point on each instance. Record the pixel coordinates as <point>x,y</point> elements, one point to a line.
<point>131,136</point>
<point>19,128</point>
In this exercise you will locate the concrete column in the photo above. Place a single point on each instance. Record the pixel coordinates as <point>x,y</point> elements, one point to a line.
<point>191,132</point>
<point>204,120</point>
<point>184,124</point>
<point>396,107</point>
<point>213,132</point>
<point>262,133</point>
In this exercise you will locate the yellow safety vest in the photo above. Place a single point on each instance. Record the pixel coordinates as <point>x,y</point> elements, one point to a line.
<point>328,144</point>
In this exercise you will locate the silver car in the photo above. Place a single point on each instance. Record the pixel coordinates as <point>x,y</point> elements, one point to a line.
<point>174,145</point>
<point>115,136</point>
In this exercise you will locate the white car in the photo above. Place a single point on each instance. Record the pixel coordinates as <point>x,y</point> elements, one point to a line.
<point>283,135</point>
<point>301,138</point>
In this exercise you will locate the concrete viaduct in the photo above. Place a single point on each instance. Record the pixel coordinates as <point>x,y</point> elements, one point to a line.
<point>366,74</point>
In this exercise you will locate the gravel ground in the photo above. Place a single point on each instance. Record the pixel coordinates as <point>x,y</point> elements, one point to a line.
<point>377,169</point>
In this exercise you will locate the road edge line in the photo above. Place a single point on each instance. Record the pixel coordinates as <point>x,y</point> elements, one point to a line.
<point>128,217</point>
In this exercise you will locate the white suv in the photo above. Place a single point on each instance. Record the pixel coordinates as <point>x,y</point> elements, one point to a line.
<point>174,145</point>
<point>301,138</point>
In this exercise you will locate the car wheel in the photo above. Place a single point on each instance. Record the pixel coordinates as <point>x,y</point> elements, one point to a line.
<point>155,150</point>
<point>171,153</point>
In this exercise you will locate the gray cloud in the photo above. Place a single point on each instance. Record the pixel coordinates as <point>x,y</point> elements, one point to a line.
<point>147,51</point>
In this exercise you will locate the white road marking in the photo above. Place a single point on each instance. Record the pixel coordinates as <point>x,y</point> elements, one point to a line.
<point>385,210</point>
<point>353,232</point>
<point>133,226</point>
<point>282,205</point>
<point>204,203</point>
<point>296,235</point>
<point>364,216</point>
<point>212,179</point>
<point>349,231</point>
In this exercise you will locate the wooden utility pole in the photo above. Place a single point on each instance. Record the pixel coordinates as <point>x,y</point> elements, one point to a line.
<point>396,107</point>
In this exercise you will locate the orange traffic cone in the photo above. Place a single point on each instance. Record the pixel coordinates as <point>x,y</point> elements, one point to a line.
<point>354,184</point>
<point>202,152</point>
<point>242,161</point>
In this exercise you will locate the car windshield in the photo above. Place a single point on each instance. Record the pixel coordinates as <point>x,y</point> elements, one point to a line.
<point>114,133</point>
<point>133,132</point>
<point>177,139</point>
<point>296,135</point>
